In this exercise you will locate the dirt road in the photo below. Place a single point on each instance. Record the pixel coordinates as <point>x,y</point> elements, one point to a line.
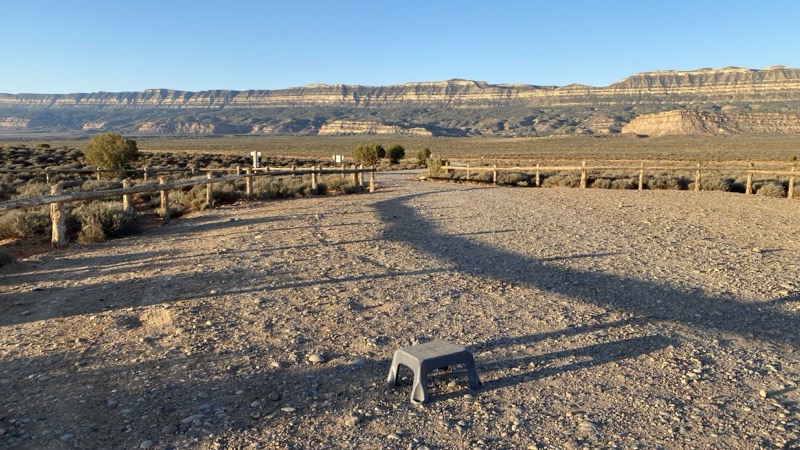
<point>598,319</point>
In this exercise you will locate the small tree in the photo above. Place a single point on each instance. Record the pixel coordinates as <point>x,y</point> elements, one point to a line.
<point>423,155</point>
<point>366,154</point>
<point>111,151</point>
<point>396,153</point>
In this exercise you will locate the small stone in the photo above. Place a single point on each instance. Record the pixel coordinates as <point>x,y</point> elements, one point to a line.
<point>112,403</point>
<point>276,364</point>
<point>352,421</point>
<point>394,436</point>
<point>316,359</point>
<point>2,431</point>
<point>202,395</point>
<point>587,426</point>
<point>66,437</point>
<point>358,362</point>
<point>239,392</point>
<point>147,444</point>
<point>169,429</point>
<point>274,396</point>
<point>763,393</point>
<point>288,409</point>
<point>255,404</point>
<point>192,418</point>
<point>462,423</point>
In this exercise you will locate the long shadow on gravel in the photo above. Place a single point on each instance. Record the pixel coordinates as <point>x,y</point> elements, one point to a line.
<point>645,299</point>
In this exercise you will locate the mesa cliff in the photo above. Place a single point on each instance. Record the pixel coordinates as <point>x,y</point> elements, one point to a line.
<point>454,107</point>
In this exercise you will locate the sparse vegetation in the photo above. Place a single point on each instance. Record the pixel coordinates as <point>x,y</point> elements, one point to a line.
<point>423,155</point>
<point>100,220</point>
<point>23,223</point>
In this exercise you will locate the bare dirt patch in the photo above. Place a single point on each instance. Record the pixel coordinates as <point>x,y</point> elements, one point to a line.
<point>598,319</point>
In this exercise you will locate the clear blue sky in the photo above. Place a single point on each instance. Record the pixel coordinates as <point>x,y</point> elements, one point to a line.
<point>66,46</point>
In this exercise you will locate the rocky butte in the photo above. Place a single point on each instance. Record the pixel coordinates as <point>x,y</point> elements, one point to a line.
<point>705,101</point>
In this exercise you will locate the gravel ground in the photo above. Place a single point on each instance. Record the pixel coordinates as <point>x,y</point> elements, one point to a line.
<point>598,319</point>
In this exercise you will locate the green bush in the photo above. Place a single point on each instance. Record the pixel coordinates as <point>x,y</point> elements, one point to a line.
<point>368,154</point>
<point>336,184</point>
<point>23,223</point>
<point>104,219</point>
<point>602,183</point>
<point>396,153</point>
<point>111,151</point>
<point>423,155</point>
<point>435,167</point>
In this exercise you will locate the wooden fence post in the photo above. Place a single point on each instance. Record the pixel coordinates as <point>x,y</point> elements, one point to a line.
<point>126,198</point>
<point>697,179</point>
<point>238,170</point>
<point>314,184</point>
<point>494,175</point>
<point>59,228</point>
<point>164,201</point>
<point>343,169</point>
<point>146,174</point>
<point>294,168</point>
<point>467,179</point>
<point>790,193</point>
<point>538,177</point>
<point>641,176</point>
<point>47,175</point>
<point>583,174</point>
<point>249,183</point>
<point>354,176</point>
<point>748,189</point>
<point>372,180</point>
<point>361,175</point>
<point>209,190</point>
<point>97,174</point>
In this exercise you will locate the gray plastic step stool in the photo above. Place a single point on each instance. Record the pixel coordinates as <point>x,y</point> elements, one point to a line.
<point>425,358</point>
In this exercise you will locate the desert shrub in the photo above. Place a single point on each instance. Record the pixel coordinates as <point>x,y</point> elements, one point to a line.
<point>667,181</point>
<point>5,258</point>
<point>368,154</point>
<point>101,185</point>
<point>716,184</point>
<point>562,179</point>
<point>435,167</point>
<point>336,184</point>
<point>423,155</point>
<point>191,199</point>
<point>266,188</point>
<point>625,183</point>
<point>22,223</point>
<point>601,183</point>
<point>771,189</point>
<point>32,189</point>
<point>227,192</point>
<point>514,178</point>
<point>6,190</point>
<point>99,220</point>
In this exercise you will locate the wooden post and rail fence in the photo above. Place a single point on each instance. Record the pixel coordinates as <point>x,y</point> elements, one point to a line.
<point>58,198</point>
<point>584,172</point>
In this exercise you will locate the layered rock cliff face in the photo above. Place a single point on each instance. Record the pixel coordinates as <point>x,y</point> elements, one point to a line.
<point>683,123</point>
<point>351,127</point>
<point>459,107</point>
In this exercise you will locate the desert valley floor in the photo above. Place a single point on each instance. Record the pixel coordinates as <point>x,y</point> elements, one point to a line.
<point>598,319</point>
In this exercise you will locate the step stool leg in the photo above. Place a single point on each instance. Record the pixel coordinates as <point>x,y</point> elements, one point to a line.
<point>474,381</point>
<point>419,392</point>
<point>391,380</point>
